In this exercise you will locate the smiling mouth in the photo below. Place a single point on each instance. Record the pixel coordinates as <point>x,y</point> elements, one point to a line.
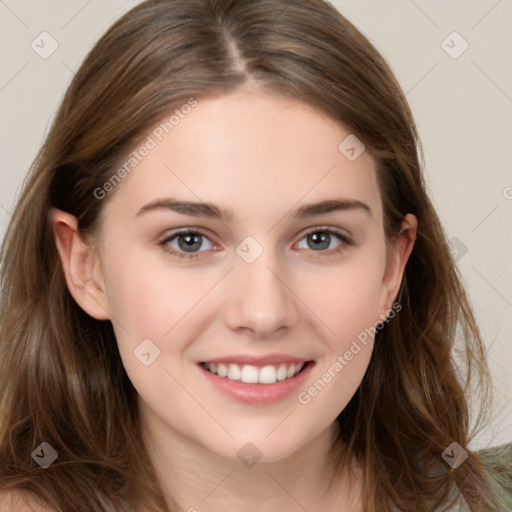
<point>250,374</point>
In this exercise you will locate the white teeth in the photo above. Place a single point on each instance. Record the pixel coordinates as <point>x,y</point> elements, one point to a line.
<point>249,374</point>
<point>222,370</point>
<point>281,372</point>
<point>255,374</point>
<point>268,375</point>
<point>234,372</point>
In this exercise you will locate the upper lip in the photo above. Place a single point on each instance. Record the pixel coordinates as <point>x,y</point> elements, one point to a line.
<point>257,360</point>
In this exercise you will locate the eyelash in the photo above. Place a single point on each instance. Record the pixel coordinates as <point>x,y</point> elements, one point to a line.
<point>345,241</point>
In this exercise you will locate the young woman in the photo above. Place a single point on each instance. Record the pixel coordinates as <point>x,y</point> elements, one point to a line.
<point>224,285</point>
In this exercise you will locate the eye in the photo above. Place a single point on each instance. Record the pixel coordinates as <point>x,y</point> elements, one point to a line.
<point>186,243</point>
<point>321,239</point>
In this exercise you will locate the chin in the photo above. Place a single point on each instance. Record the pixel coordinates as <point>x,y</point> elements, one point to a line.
<point>258,449</point>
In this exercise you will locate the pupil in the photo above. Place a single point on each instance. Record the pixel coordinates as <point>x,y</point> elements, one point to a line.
<point>319,241</point>
<point>322,238</point>
<point>189,242</point>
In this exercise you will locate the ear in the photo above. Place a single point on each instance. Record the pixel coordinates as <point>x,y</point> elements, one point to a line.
<point>397,255</point>
<point>81,265</point>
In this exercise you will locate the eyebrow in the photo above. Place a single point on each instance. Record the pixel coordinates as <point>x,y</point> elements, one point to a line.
<point>200,209</point>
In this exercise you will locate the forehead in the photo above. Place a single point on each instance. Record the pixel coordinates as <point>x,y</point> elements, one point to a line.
<point>252,152</point>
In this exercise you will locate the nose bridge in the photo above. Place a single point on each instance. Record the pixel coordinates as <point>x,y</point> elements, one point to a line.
<point>260,300</point>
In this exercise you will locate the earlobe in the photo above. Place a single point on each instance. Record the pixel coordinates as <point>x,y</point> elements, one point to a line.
<point>397,256</point>
<point>80,264</point>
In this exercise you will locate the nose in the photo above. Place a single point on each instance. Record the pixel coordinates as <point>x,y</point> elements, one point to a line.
<point>261,302</point>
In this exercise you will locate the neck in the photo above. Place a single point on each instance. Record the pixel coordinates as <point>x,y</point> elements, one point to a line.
<point>198,479</point>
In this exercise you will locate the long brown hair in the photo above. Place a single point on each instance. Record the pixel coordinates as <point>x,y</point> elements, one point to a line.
<point>61,377</point>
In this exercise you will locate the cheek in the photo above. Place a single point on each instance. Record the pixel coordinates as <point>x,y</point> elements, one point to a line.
<point>147,304</point>
<point>147,300</point>
<point>345,299</point>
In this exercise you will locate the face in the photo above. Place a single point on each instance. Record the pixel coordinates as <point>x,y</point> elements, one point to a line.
<point>246,243</point>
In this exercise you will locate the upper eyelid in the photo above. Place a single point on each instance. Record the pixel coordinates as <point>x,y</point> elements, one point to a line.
<point>170,235</point>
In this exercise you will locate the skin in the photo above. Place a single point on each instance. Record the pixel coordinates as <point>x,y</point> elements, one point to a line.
<point>262,156</point>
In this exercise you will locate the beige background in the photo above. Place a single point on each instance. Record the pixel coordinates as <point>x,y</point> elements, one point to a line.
<point>462,105</point>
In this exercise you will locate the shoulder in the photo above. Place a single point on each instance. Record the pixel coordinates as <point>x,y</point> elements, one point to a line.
<point>17,501</point>
<point>497,455</point>
<point>498,464</point>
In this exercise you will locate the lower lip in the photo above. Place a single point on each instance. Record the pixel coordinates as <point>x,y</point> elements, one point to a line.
<point>259,394</point>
